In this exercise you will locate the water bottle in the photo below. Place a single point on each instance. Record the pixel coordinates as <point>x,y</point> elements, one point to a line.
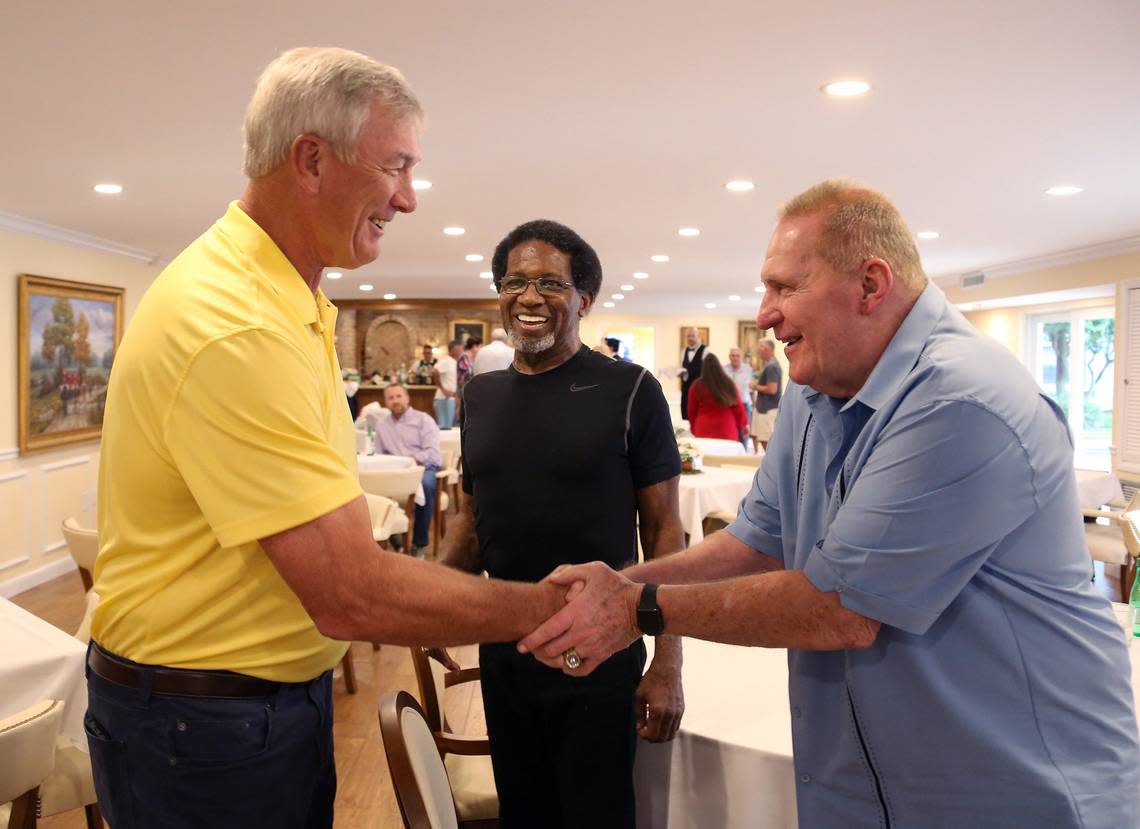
<point>371,442</point>
<point>1134,600</point>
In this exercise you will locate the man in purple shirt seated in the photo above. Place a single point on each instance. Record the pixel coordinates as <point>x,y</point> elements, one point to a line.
<point>414,434</point>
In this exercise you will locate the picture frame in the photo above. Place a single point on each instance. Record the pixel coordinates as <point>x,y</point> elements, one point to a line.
<point>462,329</point>
<point>704,332</point>
<point>748,337</point>
<point>68,333</point>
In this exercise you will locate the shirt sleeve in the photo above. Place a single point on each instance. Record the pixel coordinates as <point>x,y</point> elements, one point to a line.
<point>942,487</point>
<point>757,521</point>
<point>248,433</point>
<point>429,440</point>
<point>653,455</point>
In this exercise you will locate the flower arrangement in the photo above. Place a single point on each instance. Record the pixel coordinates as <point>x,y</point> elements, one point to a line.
<point>690,457</point>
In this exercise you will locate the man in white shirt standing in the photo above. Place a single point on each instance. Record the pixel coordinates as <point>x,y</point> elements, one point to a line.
<point>445,375</point>
<point>741,375</point>
<point>496,356</point>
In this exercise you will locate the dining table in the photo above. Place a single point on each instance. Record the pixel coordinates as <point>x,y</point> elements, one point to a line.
<point>709,490</point>
<point>715,446</point>
<point>1096,487</point>
<point>39,661</point>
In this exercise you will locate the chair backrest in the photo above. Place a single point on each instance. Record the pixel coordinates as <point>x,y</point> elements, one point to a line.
<point>419,777</point>
<point>27,748</point>
<point>378,509</point>
<point>83,544</point>
<point>1130,526</point>
<point>430,678</point>
<point>396,484</point>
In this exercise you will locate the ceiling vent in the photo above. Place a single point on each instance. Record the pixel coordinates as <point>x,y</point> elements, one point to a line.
<point>973,280</point>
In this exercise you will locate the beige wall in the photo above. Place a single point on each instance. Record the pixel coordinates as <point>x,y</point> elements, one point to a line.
<point>38,491</point>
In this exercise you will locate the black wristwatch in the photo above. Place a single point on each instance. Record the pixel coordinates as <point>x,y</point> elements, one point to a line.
<point>650,619</point>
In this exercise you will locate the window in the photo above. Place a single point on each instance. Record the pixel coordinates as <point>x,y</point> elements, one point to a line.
<point>1071,355</point>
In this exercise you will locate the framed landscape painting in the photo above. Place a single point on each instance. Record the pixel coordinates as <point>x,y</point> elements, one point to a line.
<point>68,335</point>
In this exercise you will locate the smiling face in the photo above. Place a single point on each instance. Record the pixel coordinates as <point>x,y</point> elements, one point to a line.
<point>813,309</point>
<point>544,326</point>
<point>734,357</point>
<point>357,200</point>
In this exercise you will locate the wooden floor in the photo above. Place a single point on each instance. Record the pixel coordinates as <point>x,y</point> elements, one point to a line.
<point>364,795</point>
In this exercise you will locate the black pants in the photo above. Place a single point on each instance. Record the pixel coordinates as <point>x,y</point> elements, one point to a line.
<point>179,762</point>
<point>562,747</point>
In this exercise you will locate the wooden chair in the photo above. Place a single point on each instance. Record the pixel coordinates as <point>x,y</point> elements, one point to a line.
<point>27,754</point>
<point>419,776</point>
<point>83,544</point>
<point>1116,542</point>
<point>469,769</point>
<point>400,485</point>
<point>450,457</point>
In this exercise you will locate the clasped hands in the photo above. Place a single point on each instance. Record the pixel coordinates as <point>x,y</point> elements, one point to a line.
<point>599,619</point>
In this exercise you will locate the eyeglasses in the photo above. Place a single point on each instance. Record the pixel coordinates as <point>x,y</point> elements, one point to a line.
<point>545,285</point>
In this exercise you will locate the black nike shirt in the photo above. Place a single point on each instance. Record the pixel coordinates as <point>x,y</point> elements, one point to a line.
<point>554,461</point>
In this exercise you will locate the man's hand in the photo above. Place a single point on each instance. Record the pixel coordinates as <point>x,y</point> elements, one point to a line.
<point>660,703</point>
<point>597,622</point>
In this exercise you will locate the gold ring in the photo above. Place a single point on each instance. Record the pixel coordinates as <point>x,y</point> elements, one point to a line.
<point>571,658</point>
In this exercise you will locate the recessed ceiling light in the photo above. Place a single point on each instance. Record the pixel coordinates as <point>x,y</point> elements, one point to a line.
<point>640,275</point>
<point>474,257</point>
<point>734,297</point>
<point>334,275</point>
<point>365,287</point>
<point>846,89</point>
<point>485,274</point>
<point>617,296</point>
<point>627,287</point>
<point>710,305</point>
<point>688,231</point>
<point>454,231</point>
<point>927,234</point>
<point>659,257</point>
<point>389,296</point>
<point>759,289</point>
<point>109,189</point>
<point>739,186</point>
<point>1064,190</point>
<point>607,305</point>
<point>421,184</point>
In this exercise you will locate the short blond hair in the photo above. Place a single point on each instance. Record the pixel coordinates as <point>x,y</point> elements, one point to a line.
<point>323,91</point>
<point>859,224</point>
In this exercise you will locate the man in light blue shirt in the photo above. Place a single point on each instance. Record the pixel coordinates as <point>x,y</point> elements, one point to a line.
<point>413,434</point>
<point>914,539</point>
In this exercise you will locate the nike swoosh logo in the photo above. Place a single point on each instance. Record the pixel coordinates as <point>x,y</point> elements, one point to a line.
<point>576,387</point>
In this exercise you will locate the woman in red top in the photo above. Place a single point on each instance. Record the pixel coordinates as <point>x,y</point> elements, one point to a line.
<point>715,409</point>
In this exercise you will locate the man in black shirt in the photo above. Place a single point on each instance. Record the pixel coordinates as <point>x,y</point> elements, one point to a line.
<point>567,454</point>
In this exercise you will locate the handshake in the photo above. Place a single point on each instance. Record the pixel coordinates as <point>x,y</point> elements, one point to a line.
<point>599,619</point>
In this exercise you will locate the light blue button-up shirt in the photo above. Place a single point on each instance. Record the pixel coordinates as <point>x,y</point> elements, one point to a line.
<point>941,501</point>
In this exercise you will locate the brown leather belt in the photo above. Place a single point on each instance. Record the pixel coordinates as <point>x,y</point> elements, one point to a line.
<point>179,682</point>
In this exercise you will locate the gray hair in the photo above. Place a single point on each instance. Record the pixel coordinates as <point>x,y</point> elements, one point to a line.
<point>769,344</point>
<point>859,224</point>
<point>500,334</point>
<point>323,91</point>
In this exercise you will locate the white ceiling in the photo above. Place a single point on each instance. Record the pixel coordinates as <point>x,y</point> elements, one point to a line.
<point>621,119</point>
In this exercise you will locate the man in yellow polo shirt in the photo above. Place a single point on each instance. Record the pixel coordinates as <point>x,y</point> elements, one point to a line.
<point>236,554</point>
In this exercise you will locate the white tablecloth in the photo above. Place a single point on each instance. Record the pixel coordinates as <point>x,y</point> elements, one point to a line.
<point>368,463</point>
<point>715,446</point>
<point>40,661</point>
<point>711,490</point>
<point>731,763</point>
<point>1095,488</point>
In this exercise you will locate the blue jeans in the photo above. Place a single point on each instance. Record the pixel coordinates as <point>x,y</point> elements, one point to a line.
<point>181,762</point>
<point>424,513</point>
<point>445,412</point>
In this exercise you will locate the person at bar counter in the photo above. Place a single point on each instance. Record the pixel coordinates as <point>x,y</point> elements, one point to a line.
<point>913,538</point>
<point>566,455</point>
<point>236,556</point>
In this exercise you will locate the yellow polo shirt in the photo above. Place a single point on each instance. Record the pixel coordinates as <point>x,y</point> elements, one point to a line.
<point>226,422</point>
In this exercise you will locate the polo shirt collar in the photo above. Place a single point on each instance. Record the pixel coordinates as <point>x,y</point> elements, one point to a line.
<point>285,280</point>
<point>903,350</point>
